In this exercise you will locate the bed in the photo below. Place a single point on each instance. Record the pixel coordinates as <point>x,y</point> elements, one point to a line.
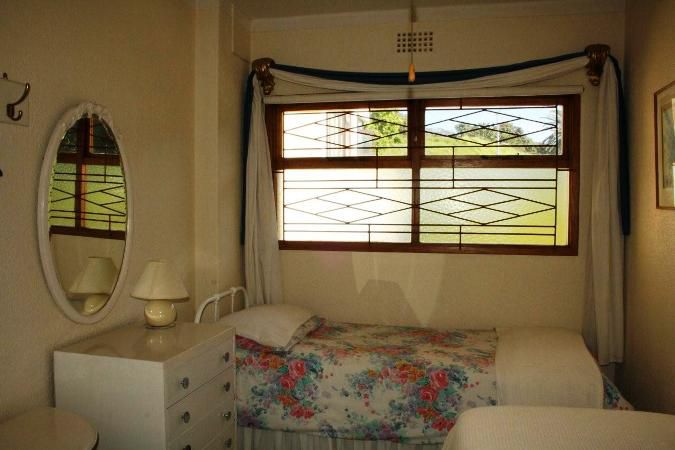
<point>372,382</point>
<point>356,386</point>
<point>551,428</point>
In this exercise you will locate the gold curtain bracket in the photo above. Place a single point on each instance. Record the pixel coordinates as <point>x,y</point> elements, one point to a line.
<point>597,55</point>
<point>262,72</point>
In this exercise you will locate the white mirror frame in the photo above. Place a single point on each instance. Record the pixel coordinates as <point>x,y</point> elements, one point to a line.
<point>46,256</point>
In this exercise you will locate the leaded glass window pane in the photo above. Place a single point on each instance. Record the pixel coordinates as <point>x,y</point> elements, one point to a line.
<point>493,131</point>
<point>345,133</point>
<point>494,206</point>
<point>355,205</point>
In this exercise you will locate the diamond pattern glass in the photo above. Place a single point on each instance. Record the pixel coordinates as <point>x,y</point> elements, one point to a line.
<point>345,133</point>
<point>357,205</point>
<point>503,206</point>
<point>102,198</point>
<point>494,131</point>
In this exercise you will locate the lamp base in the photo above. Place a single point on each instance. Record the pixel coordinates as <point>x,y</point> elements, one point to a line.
<point>94,303</point>
<point>160,314</point>
<point>164,327</point>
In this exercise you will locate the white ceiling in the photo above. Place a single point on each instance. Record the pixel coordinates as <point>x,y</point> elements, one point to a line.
<point>259,9</point>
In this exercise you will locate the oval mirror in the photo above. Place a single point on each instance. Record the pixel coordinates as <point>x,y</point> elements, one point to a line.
<point>84,213</point>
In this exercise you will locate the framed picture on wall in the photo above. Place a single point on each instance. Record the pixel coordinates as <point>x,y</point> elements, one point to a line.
<point>664,118</point>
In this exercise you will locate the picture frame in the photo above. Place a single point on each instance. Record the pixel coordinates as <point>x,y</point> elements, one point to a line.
<point>664,123</point>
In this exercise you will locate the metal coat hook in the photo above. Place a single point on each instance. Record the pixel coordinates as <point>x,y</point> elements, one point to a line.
<point>11,107</point>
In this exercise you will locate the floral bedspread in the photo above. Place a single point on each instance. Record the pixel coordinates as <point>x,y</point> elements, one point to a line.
<point>367,382</point>
<point>370,382</point>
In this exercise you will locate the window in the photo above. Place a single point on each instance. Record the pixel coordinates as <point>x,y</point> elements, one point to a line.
<point>87,196</point>
<point>480,175</point>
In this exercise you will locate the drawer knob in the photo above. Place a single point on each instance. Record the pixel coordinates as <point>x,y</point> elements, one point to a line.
<point>187,447</point>
<point>185,382</point>
<point>186,417</point>
<point>227,415</point>
<point>228,443</point>
<point>227,386</point>
<point>226,356</point>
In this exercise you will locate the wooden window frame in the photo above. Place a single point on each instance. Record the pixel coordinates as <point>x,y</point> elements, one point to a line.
<point>417,160</point>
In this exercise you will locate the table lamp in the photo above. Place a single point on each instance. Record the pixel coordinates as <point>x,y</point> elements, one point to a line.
<point>161,287</point>
<point>94,283</point>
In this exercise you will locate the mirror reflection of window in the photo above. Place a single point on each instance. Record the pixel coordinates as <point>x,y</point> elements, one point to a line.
<point>87,193</point>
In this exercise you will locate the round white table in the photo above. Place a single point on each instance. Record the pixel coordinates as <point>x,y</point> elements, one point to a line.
<point>47,428</point>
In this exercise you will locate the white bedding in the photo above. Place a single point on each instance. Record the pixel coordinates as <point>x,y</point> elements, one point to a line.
<point>546,367</point>
<point>554,428</point>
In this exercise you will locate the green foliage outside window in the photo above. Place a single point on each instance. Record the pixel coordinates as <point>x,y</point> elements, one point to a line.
<point>392,129</point>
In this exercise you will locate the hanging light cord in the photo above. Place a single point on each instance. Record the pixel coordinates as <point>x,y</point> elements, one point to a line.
<point>411,68</point>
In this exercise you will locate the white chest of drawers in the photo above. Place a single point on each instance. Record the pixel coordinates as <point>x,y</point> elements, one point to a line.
<point>152,389</point>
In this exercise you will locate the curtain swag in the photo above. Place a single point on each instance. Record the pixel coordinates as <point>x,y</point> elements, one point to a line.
<point>596,56</point>
<point>610,215</point>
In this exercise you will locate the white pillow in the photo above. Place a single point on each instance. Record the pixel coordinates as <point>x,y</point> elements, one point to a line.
<point>269,325</point>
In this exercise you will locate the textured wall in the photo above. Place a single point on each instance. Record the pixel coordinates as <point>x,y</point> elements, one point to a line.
<point>649,370</point>
<point>220,77</point>
<point>232,72</point>
<point>136,58</point>
<point>478,291</point>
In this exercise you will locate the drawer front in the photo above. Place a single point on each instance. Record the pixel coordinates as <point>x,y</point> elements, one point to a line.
<point>202,434</point>
<point>225,441</point>
<point>189,411</point>
<point>189,376</point>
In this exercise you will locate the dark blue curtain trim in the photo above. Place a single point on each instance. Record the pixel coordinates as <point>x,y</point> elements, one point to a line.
<point>624,178</point>
<point>422,77</point>
<point>245,133</point>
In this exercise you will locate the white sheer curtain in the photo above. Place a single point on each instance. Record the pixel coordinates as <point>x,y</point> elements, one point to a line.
<point>603,328</point>
<point>262,265</point>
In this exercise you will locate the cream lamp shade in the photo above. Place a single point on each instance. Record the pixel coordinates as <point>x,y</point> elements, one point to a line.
<point>94,283</point>
<point>161,287</point>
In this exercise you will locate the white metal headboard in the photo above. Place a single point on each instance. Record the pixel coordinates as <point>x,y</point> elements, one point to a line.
<point>232,292</point>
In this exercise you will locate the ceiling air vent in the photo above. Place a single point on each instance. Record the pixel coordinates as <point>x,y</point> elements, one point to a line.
<point>415,42</point>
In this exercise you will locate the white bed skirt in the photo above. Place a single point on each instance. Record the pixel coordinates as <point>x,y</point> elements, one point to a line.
<point>257,439</point>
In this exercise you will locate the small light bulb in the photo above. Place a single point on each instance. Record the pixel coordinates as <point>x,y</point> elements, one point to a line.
<point>411,73</point>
